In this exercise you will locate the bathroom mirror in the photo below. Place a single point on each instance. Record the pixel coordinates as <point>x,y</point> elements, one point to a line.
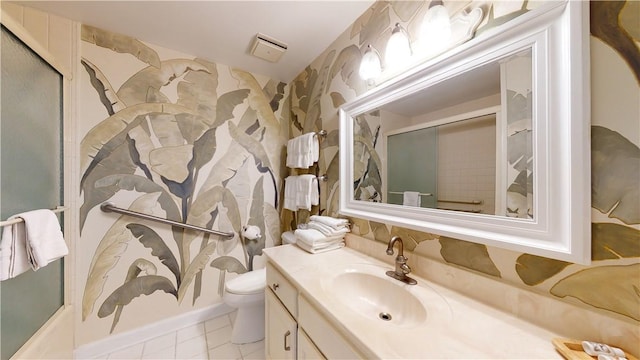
<point>487,143</point>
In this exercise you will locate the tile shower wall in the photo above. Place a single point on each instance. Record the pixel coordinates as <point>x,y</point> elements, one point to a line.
<point>467,173</point>
<point>332,79</point>
<point>174,136</point>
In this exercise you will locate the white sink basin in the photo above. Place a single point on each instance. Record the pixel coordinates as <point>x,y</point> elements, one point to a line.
<point>378,297</point>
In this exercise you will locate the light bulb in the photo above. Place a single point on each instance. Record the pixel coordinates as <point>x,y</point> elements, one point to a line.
<point>370,66</point>
<point>398,50</point>
<point>435,34</point>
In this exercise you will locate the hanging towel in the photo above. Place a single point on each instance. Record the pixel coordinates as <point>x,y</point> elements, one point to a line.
<point>334,223</point>
<point>411,198</point>
<point>38,239</point>
<point>291,193</point>
<point>307,191</point>
<point>303,151</point>
<point>13,251</point>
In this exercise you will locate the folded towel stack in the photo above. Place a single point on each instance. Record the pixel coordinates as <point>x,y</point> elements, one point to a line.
<point>323,233</point>
<point>301,192</point>
<point>30,244</point>
<point>303,151</point>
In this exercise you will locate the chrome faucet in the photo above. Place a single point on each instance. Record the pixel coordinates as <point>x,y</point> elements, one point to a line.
<point>402,269</point>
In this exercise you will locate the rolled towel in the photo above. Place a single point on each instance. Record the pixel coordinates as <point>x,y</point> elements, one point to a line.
<point>326,229</point>
<point>288,237</point>
<point>336,224</point>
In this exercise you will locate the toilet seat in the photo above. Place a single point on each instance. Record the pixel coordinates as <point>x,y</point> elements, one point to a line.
<point>252,282</point>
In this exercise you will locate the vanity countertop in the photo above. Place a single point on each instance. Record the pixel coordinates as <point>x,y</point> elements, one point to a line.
<point>455,326</point>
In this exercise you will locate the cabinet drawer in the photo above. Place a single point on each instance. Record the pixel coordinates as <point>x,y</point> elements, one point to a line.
<point>284,290</point>
<point>306,349</point>
<point>327,339</point>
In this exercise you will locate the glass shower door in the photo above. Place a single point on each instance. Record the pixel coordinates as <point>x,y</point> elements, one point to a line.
<point>412,165</point>
<point>30,178</point>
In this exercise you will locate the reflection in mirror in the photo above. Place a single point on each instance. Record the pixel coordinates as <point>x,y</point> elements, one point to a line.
<point>463,144</point>
<point>533,74</point>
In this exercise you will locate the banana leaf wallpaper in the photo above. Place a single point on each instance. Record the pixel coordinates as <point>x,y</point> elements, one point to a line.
<point>332,79</point>
<point>203,143</point>
<point>176,137</point>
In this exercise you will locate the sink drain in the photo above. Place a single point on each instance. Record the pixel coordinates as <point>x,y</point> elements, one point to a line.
<point>384,316</point>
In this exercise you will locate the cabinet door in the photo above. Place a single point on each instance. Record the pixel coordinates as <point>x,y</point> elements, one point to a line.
<point>306,349</point>
<point>281,331</point>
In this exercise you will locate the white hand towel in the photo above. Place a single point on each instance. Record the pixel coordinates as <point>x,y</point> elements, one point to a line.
<point>303,151</point>
<point>336,224</point>
<point>291,193</point>
<point>13,251</point>
<point>33,243</point>
<point>316,250</point>
<point>309,149</point>
<point>309,236</point>
<point>307,191</point>
<point>291,154</point>
<point>45,242</point>
<point>315,149</point>
<point>326,229</point>
<point>411,198</point>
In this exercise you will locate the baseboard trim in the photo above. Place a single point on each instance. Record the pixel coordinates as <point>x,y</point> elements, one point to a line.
<point>54,340</point>
<point>149,331</point>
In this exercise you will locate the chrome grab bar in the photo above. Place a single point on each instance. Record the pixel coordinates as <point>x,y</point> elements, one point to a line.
<point>109,207</point>
<point>471,202</point>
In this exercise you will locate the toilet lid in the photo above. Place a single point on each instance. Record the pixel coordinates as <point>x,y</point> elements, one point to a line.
<point>248,283</point>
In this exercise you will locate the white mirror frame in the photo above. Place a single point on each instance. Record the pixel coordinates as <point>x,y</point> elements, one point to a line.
<point>558,34</point>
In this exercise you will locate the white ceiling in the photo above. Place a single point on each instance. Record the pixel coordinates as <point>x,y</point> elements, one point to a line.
<point>222,31</point>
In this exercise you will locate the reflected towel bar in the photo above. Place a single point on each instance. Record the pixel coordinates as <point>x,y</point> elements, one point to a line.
<point>402,193</point>
<point>59,209</point>
<point>109,207</point>
<point>472,202</point>
<point>321,133</point>
<point>469,211</point>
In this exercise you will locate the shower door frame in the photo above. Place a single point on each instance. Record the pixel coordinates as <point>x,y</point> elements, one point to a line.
<point>69,162</point>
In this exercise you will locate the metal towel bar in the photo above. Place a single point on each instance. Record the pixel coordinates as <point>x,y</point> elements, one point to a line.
<point>472,202</point>
<point>402,193</point>
<point>59,209</point>
<point>109,207</point>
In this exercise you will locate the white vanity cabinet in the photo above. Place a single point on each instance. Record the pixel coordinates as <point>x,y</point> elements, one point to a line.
<point>294,328</point>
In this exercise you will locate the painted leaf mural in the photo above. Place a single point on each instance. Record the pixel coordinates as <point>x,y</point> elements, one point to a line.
<point>615,165</point>
<point>172,138</point>
<point>470,255</point>
<point>615,170</point>
<point>143,285</point>
<point>618,289</point>
<point>120,43</point>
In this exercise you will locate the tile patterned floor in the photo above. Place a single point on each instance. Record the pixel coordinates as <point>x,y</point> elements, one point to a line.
<point>208,340</point>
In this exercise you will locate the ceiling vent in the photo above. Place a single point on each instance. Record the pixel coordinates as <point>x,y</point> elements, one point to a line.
<point>268,48</point>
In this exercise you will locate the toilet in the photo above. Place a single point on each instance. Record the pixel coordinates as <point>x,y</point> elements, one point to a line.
<point>246,293</point>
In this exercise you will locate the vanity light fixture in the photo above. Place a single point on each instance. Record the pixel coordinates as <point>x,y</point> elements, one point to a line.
<point>435,32</point>
<point>398,50</point>
<point>370,65</point>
